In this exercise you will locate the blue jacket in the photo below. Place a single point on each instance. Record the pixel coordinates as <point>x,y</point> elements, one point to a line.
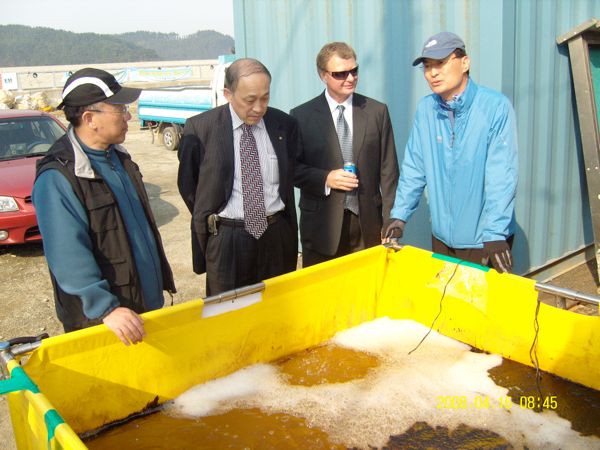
<point>468,164</point>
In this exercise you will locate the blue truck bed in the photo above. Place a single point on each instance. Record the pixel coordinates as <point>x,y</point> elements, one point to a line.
<point>173,104</point>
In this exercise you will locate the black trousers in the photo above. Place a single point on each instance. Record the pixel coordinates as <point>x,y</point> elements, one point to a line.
<point>350,241</point>
<point>474,255</point>
<point>234,258</point>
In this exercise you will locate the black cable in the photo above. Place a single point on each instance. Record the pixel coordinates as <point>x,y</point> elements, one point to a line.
<point>533,351</point>
<point>440,311</point>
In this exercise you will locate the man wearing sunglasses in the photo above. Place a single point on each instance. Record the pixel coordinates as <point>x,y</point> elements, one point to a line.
<point>342,211</point>
<point>463,147</point>
<point>103,248</point>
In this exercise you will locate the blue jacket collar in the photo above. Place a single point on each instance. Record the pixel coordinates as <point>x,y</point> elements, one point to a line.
<point>462,103</point>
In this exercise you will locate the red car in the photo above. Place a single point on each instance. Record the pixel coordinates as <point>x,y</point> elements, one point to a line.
<point>25,136</point>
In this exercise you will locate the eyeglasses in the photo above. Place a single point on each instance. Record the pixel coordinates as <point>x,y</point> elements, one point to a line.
<point>123,109</point>
<point>342,75</point>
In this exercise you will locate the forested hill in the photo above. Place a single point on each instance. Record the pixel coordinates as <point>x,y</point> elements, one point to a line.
<point>206,44</point>
<point>37,46</point>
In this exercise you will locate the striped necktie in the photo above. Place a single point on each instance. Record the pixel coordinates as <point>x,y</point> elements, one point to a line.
<point>255,216</point>
<point>345,139</point>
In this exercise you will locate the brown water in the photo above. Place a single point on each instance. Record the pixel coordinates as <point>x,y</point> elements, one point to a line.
<point>246,428</point>
<point>326,364</point>
<point>423,436</point>
<point>239,428</point>
<point>578,404</point>
<point>255,429</point>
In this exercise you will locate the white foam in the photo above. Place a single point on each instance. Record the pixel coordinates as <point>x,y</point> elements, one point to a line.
<point>405,389</point>
<point>203,399</point>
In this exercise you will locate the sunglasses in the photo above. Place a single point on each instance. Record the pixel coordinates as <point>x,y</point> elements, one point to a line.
<point>344,74</point>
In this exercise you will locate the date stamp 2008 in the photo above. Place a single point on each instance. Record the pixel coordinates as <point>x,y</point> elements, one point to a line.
<point>474,402</point>
<point>503,402</point>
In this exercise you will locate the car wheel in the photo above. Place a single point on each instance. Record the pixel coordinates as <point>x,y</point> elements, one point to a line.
<point>170,138</point>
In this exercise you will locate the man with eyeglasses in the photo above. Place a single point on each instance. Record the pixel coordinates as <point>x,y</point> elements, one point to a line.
<point>463,147</point>
<point>105,255</point>
<point>342,211</point>
<point>236,170</point>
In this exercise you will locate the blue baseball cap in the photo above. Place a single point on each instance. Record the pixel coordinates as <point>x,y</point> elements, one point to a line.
<point>439,46</point>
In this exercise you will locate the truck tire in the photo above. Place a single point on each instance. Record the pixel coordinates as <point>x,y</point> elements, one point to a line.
<point>170,138</point>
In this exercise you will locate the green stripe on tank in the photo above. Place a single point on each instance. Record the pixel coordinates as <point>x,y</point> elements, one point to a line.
<point>18,381</point>
<point>460,262</point>
<point>52,419</point>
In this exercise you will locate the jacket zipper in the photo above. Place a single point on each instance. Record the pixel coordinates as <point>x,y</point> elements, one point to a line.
<point>450,224</point>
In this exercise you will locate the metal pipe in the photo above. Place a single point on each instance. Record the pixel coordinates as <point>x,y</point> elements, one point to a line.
<point>5,357</point>
<point>8,353</point>
<point>234,293</point>
<point>25,348</point>
<point>568,293</point>
<point>17,346</point>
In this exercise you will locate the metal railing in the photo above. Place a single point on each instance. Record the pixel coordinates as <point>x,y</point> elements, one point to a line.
<point>564,294</point>
<point>17,346</point>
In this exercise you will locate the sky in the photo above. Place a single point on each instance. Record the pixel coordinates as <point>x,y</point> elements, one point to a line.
<point>183,17</point>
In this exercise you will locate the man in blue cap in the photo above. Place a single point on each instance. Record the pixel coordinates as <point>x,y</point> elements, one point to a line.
<point>463,147</point>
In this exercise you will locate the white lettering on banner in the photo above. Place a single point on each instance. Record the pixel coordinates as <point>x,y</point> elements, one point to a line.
<point>9,81</point>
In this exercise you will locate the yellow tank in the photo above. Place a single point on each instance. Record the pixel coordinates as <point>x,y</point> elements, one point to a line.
<point>80,381</point>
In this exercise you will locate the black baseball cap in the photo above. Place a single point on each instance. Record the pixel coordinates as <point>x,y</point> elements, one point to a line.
<point>439,46</point>
<point>88,86</point>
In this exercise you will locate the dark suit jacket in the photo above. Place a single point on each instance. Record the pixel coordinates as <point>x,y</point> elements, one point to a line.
<point>206,168</point>
<point>375,157</point>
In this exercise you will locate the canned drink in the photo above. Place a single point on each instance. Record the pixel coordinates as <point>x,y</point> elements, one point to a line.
<point>350,167</point>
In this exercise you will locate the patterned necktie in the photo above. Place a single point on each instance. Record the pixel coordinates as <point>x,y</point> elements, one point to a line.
<point>345,138</point>
<point>255,216</point>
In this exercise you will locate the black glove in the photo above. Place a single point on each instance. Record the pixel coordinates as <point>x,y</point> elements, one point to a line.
<point>499,254</point>
<point>393,229</point>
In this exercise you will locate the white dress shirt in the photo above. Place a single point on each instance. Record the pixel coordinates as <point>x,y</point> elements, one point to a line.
<point>269,169</point>
<point>333,104</point>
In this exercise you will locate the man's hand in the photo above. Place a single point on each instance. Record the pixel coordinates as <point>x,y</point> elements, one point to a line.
<point>392,230</point>
<point>126,324</point>
<point>499,254</point>
<point>342,180</point>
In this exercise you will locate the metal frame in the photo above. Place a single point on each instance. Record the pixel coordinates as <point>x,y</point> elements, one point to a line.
<point>234,293</point>
<point>579,40</point>
<point>9,352</point>
<point>564,294</point>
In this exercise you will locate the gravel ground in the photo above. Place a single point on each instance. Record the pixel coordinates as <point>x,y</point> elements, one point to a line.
<point>26,293</point>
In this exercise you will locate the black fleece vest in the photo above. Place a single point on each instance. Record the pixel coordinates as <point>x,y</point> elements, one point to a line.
<point>110,242</point>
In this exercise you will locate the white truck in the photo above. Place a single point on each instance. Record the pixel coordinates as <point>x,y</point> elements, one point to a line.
<point>165,110</point>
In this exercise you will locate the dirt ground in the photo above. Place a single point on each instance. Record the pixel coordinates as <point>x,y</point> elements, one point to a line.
<point>26,292</point>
